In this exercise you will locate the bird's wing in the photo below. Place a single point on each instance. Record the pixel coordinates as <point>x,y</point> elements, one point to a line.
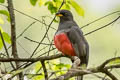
<point>79,44</point>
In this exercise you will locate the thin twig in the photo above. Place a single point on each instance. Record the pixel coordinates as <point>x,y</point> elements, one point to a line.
<point>22,33</point>
<point>46,52</point>
<point>109,74</point>
<point>109,60</point>
<point>110,69</point>
<point>102,27</point>
<point>23,47</point>
<point>6,49</point>
<point>37,41</point>
<point>99,19</point>
<point>25,29</point>
<point>45,70</point>
<point>31,59</point>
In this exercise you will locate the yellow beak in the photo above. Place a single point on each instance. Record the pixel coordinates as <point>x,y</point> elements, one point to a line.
<point>58,14</point>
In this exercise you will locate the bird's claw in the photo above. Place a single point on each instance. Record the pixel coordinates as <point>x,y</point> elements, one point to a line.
<point>76,62</point>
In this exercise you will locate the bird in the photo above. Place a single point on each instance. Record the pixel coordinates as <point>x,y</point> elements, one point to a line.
<point>69,38</point>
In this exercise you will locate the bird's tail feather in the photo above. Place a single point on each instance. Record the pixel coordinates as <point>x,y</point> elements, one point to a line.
<point>79,78</point>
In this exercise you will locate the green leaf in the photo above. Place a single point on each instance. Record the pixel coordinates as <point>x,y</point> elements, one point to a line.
<point>1,44</point>
<point>2,1</point>
<point>77,7</point>
<point>33,2</point>
<point>4,12</point>
<point>51,6</point>
<point>6,37</point>
<point>114,62</point>
<point>47,3</point>
<point>37,67</point>
<point>1,21</point>
<point>41,2</point>
<point>62,65</point>
<point>1,29</point>
<point>39,77</point>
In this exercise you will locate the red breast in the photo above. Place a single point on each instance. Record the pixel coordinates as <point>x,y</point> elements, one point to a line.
<point>63,44</point>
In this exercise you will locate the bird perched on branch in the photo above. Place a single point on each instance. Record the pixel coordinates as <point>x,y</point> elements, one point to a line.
<point>69,39</point>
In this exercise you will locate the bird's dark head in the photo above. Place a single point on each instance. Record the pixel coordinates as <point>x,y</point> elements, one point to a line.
<point>64,15</point>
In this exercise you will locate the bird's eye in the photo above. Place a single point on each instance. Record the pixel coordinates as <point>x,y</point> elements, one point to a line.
<point>64,14</point>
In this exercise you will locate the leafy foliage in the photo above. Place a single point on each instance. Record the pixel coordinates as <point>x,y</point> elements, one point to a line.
<point>2,1</point>
<point>6,38</point>
<point>53,5</point>
<point>38,77</point>
<point>52,66</point>
<point>4,12</point>
<point>78,8</point>
<point>5,35</point>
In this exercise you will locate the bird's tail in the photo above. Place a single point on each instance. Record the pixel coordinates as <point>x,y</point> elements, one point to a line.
<point>79,78</point>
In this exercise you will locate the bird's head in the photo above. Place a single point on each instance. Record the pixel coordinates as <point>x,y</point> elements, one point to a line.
<point>64,15</point>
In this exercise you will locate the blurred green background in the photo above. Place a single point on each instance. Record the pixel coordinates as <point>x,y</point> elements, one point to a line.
<point>104,44</point>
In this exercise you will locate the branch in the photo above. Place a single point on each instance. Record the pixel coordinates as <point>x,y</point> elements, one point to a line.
<point>26,29</point>
<point>78,72</point>
<point>102,26</point>
<point>109,60</point>
<point>45,70</point>
<point>71,72</point>
<point>31,59</point>
<point>13,33</point>
<point>36,41</point>
<point>110,74</point>
<point>98,69</point>
<point>13,30</point>
<point>99,19</point>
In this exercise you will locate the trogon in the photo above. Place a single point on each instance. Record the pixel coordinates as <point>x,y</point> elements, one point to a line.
<point>69,38</point>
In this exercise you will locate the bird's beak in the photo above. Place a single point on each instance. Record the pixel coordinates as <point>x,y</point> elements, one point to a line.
<point>59,14</point>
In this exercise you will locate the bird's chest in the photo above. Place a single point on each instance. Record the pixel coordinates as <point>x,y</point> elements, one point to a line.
<point>63,44</point>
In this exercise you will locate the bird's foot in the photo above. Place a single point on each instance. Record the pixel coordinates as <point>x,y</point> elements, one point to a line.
<point>76,62</point>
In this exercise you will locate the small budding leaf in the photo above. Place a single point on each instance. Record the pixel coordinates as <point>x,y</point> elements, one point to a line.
<point>33,2</point>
